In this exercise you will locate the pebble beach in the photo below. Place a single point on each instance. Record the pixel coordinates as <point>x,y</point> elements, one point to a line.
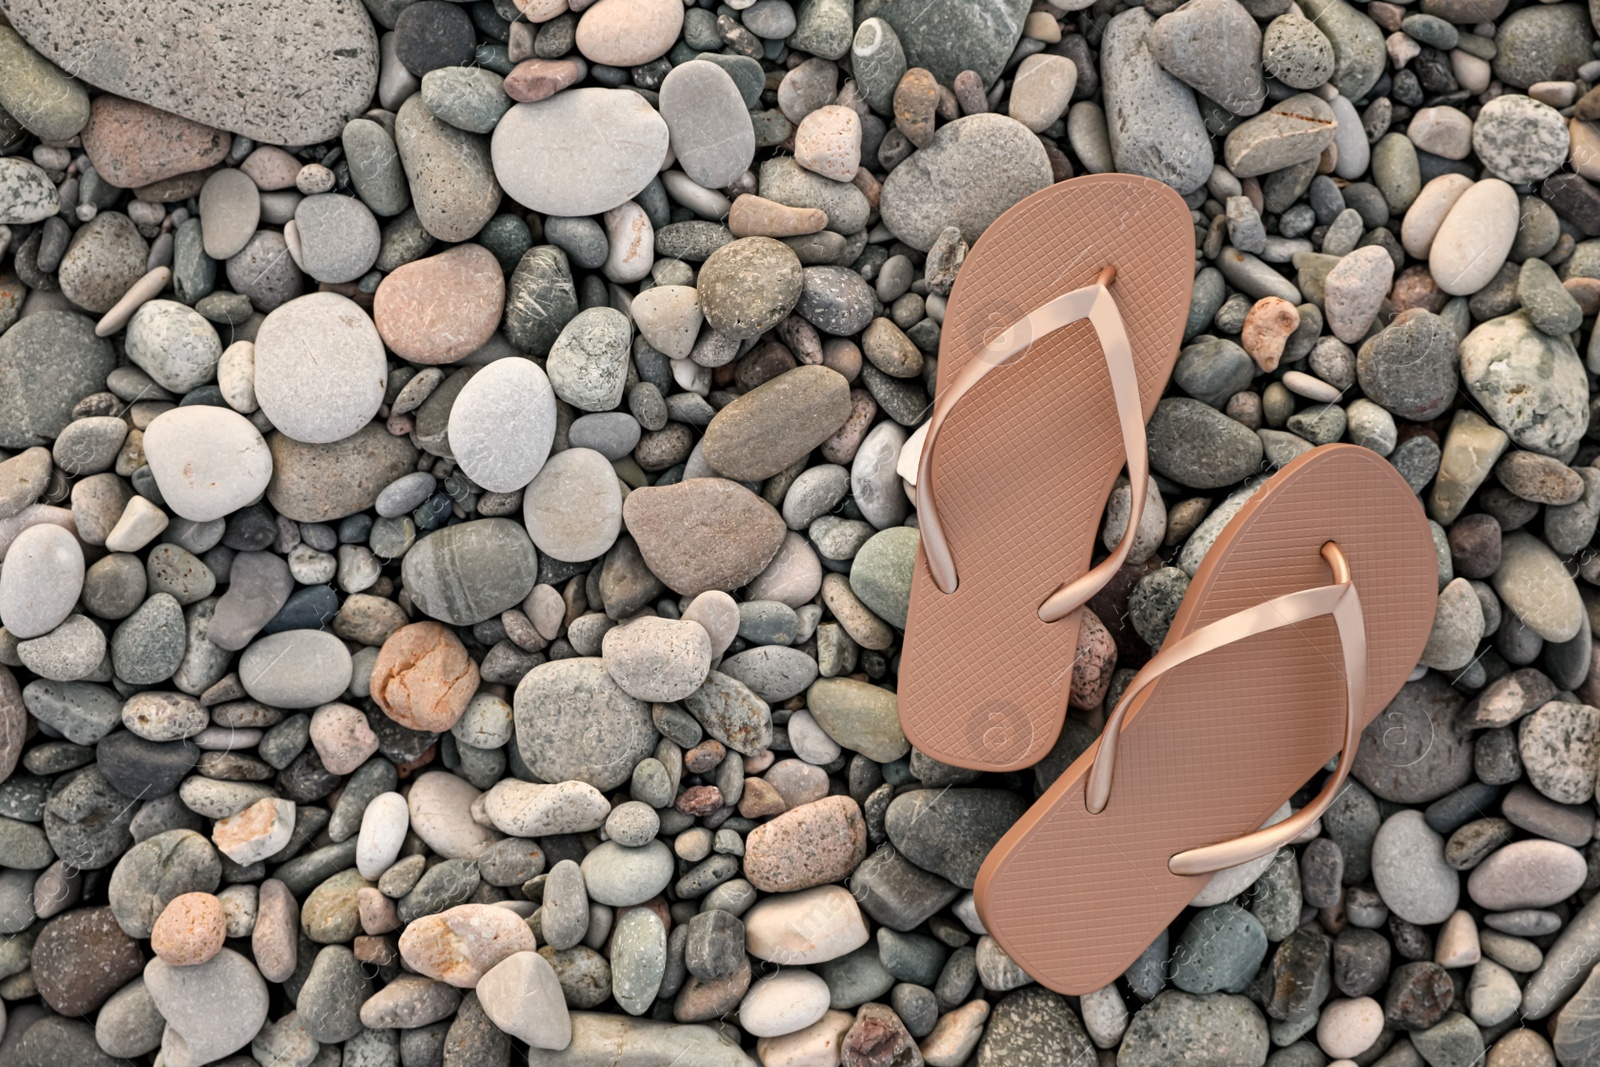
<point>456,543</point>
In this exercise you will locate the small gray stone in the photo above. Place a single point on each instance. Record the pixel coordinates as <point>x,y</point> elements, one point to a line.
<point>338,237</point>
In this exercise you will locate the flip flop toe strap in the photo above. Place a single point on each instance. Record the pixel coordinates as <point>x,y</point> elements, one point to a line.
<point>1340,601</point>
<point>1095,303</point>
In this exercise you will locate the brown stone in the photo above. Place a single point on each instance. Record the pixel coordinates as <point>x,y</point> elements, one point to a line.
<point>321,483</point>
<point>82,957</point>
<point>704,756</point>
<point>756,216</point>
<point>699,800</point>
<point>368,619</point>
<point>441,308</point>
<point>423,678</point>
<point>777,423</point>
<point>189,930</point>
<point>703,999</point>
<point>703,533</point>
<point>275,940</point>
<point>538,79</point>
<point>760,799</point>
<point>916,99</point>
<point>1415,288</point>
<point>133,144</point>
<point>810,845</point>
<point>878,1039</point>
<point>1586,291</point>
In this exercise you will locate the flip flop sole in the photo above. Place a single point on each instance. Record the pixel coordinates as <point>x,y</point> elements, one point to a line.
<point>1214,747</point>
<point>1028,459</point>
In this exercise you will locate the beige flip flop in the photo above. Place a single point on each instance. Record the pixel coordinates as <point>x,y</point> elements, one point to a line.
<point>1079,293</point>
<point>1301,624</point>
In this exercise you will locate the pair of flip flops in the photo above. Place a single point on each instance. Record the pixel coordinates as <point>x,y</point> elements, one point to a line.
<point>1302,622</point>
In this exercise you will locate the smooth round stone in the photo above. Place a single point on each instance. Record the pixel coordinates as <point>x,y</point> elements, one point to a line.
<point>71,651</point>
<point>880,573</point>
<point>1531,384</point>
<point>406,493</point>
<point>1198,446</point>
<point>628,33</point>
<point>190,930</point>
<point>1297,52</point>
<point>212,1009</point>
<point>828,142</point>
<point>207,461</point>
<point>502,425</point>
<point>452,181</point>
<point>811,926</point>
<point>638,959</point>
<point>583,240</point>
<point>621,877</point>
<point>468,98</point>
<point>375,169</point>
<point>659,660</point>
<point>748,286</point>
<point>974,169</point>
<point>174,344</point>
<point>1476,236</point>
<point>1043,88</point>
<point>1409,367</point>
<point>320,368</point>
<point>230,210</point>
<point>708,123</point>
<point>588,363</point>
<point>1536,587</point>
<point>295,669</point>
<point>573,507</point>
<point>470,572</point>
<point>775,673</point>
<point>1410,871</point>
<point>42,580</point>
<point>1349,1027</point>
<point>338,237</point>
<point>783,1003</point>
<point>441,308</point>
<point>547,158</point>
<point>433,34</point>
<point>461,945</point>
<point>574,723</point>
<point>106,256</point>
<point>1527,874</point>
<point>613,434</point>
<point>440,805</point>
<point>1520,139</point>
<point>1219,950</point>
<point>383,830</point>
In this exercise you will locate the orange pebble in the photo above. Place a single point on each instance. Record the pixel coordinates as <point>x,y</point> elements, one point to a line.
<point>189,930</point>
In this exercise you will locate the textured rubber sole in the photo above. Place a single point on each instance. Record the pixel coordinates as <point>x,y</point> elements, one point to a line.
<point>1213,748</point>
<point>1027,460</point>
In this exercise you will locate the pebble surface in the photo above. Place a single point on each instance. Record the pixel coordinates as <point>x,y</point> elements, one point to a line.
<point>457,555</point>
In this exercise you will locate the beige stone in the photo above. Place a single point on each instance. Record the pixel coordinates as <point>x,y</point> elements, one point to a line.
<point>460,945</point>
